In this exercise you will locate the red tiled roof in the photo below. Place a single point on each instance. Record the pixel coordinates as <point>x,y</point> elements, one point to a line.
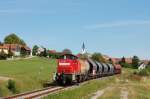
<point>115,60</point>
<point>52,51</point>
<point>26,48</point>
<point>128,60</point>
<point>13,46</point>
<point>3,47</point>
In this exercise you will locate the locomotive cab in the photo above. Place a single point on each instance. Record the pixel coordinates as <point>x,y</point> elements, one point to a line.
<point>67,67</point>
<point>67,64</point>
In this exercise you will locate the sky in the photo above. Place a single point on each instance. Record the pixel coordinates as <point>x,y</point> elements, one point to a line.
<point>113,27</point>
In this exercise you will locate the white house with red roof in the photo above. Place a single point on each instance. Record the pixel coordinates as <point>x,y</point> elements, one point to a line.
<point>15,48</point>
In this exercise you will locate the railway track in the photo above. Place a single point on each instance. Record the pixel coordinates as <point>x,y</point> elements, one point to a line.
<point>36,94</point>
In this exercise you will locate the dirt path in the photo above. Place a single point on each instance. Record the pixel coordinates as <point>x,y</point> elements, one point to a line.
<point>4,78</point>
<point>19,58</point>
<point>124,93</point>
<point>100,93</point>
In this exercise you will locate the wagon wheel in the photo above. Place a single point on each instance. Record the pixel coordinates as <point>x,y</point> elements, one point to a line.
<point>78,79</point>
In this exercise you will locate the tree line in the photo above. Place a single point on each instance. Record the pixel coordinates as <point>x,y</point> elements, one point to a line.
<point>135,61</point>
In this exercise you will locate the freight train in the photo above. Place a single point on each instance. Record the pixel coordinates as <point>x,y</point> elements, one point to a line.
<point>72,69</point>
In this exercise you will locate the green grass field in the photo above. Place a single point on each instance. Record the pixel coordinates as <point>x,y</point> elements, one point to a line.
<point>29,74</point>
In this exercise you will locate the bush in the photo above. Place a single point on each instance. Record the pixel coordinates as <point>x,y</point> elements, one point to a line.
<point>148,68</point>
<point>126,65</point>
<point>54,55</point>
<point>12,86</point>
<point>143,72</point>
<point>135,72</point>
<point>3,55</point>
<point>1,92</point>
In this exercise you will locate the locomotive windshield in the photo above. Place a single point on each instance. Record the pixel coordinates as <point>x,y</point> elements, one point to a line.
<point>69,56</point>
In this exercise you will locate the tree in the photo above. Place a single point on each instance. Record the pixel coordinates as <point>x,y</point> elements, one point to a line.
<point>67,51</point>
<point>35,50</point>
<point>123,63</point>
<point>123,60</point>
<point>45,52</point>
<point>98,57</point>
<point>22,42</point>
<point>148,63</point>
<point>84,56</point>
<point>23,52</point>
<point>13,39</point>
<point>110,61</point>
<point>10,53</point>
<point>1,43</point>
<point>135,62</point>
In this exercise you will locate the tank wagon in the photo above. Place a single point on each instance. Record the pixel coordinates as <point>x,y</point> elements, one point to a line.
<point>72,69</point>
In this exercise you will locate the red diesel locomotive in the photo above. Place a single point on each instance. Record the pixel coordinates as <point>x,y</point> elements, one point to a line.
<point>72,69</point>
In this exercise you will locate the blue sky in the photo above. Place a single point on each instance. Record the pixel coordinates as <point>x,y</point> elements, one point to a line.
<point>113,27</point>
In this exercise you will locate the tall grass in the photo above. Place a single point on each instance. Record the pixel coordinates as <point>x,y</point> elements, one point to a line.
<point>83,91</point>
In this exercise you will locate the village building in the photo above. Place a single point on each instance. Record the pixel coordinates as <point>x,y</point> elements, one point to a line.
<point>52,51</point>
<point>4,48</point>
<point>15,49</point>
<point>40,50</point>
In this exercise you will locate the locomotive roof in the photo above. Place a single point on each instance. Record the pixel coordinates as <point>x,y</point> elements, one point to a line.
<point>69,55</point>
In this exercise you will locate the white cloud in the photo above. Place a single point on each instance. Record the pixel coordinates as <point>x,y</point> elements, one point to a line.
<point>119,24</point>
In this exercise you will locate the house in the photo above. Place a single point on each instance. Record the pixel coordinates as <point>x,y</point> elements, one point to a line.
<point>15,49</point>
<point>142,66</point>
<point>128,60</point>
<point>116,60</point>
<point>40,50</point>
<point>4,48</point>
<point>26,50</point>
<point>52,51</point>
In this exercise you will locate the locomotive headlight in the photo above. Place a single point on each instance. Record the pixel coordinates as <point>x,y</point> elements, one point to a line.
<point>58,74</point>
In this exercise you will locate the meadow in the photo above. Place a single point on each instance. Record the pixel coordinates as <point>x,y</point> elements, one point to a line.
<point>122,86</point>
<point>28,74</point>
